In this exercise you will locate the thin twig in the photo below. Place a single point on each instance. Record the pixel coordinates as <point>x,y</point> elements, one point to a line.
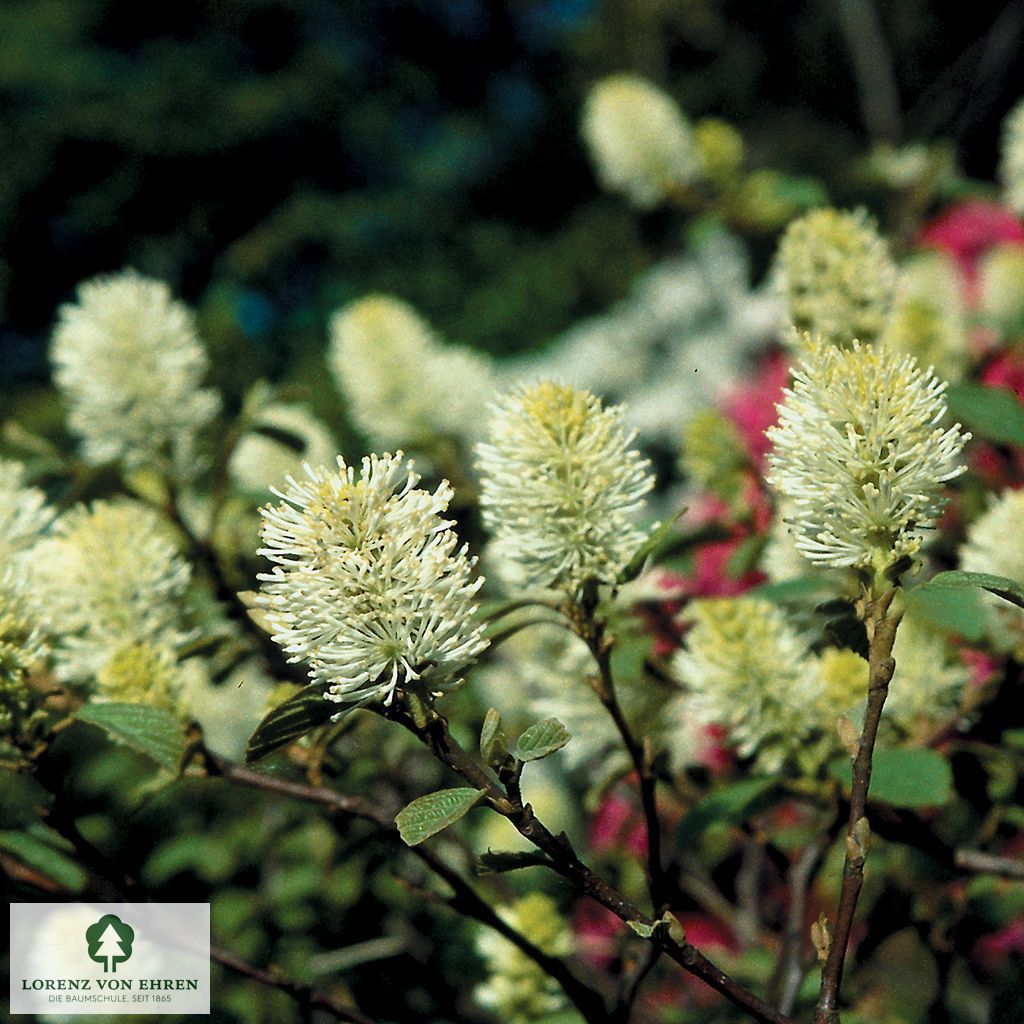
<point>566,862</point>
<point>881,626</point>
<point>464,900</point>
<point>592,632</point>
<point>989,864</point>
<point>305,995</point>
<point>791,968</point>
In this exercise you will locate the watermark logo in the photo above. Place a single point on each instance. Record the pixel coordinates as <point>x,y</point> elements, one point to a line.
<point>110,941</point>
<point>110,958</point>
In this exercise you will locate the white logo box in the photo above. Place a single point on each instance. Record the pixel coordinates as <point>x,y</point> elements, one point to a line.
<point>92,958</point>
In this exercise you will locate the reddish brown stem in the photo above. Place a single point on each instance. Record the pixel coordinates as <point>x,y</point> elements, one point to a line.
<point>881,625</point>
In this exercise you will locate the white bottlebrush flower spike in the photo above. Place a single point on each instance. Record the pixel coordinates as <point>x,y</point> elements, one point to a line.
<point>1011,161</point>
<point>561,485</point>
<point>859,455</point>
<point>106,578</point>
<point>129,363</point>
<point>640,142</point>
<point>370,586</point>
<point>836,275</point>
<point>402,384</point>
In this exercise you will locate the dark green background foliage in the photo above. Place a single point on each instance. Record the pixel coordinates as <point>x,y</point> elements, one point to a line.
<point>273,158</point>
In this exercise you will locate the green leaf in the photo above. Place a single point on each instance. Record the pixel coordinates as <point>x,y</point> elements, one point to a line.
<point>154,732</point>
<point>428,815</point>
<point>903,777</point>
<point>992,413</point>
<point>541,739</point>
<point>727,806</point>
<point>493,745</point>
<point>956,610</point>
<point>40,854</point>
<point>799,588</point>
<point>293,718</point>
<point>1008,590</point>
<point>651,546</point>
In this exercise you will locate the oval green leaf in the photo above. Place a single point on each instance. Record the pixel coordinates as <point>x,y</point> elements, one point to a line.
<point>428,815</point>
<point>541,739</point>
<point>155,732</point>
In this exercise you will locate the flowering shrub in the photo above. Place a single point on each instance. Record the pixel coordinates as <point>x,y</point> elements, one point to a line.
<point>655,697</point>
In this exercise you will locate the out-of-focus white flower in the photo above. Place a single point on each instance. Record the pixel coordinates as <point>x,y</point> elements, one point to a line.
<point>561,486</point>
<point>403,386</point>
<point>859,457</point>
<point>837,276</point>
<point>105,579</point>
<point>929,320</point>
<point>369,586</point>
<point>517,990</point>
<point>1001,287</point>
<point>1011,160</point>
<point>24,514</point>
<point>639,140</point>
<point>994,546</point>
<point>929,678</point>
<point>261,458</point>
<point>129,364</point>
<point>747,669</point>
<point>674,345</point>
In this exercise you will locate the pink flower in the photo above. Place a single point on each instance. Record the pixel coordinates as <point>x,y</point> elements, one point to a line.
<point>617,825</point>
<point>1006,370</point>
<point>966,231</point>
<point>751,405</point>
<point>993,951</point>
<point>597,932</point>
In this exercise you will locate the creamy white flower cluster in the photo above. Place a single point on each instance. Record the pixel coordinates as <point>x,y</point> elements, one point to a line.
<point>107,584</point>
<point>859,455</point>
<point>837,276</point>
<point>561,486</point>
<point>745,667</point>
<point>640,142</point>
<point>129,363</point>
<point>369,585</point>
<point>403,385</point>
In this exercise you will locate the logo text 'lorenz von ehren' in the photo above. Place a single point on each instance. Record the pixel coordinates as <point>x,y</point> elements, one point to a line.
<point>110,941</point>
<point>88,957</point>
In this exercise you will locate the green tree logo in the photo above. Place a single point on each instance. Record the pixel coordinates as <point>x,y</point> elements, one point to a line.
<point>110,942</point>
